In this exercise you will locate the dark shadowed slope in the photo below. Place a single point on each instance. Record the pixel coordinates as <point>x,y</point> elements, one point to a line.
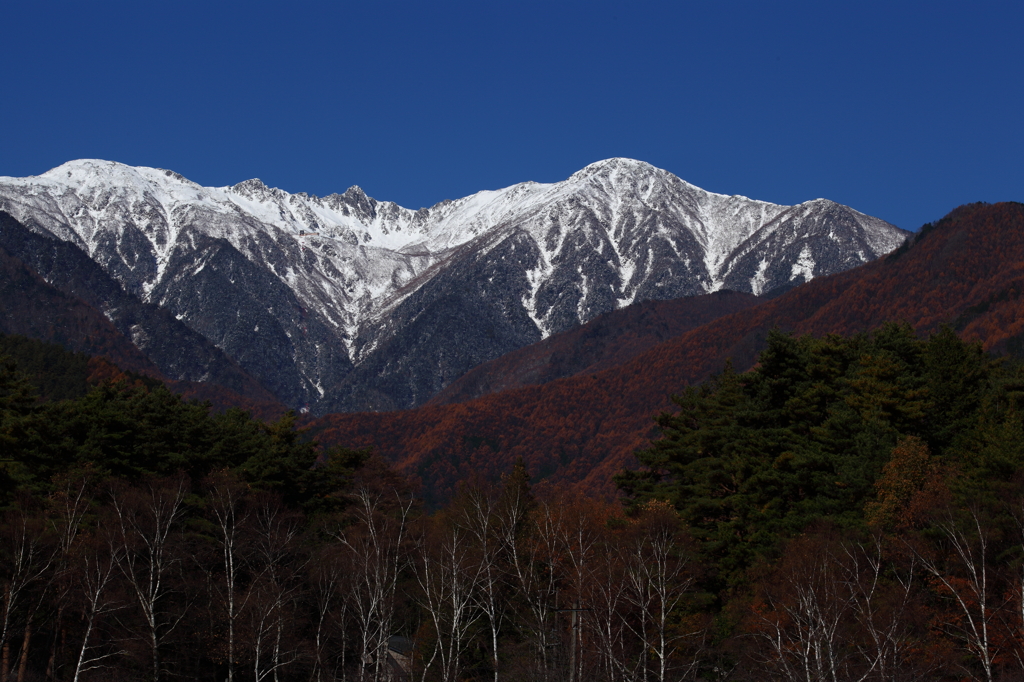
<point>35,308</point>
<point>609,341</point>
<point>177,351</point>
<point>32,308</point>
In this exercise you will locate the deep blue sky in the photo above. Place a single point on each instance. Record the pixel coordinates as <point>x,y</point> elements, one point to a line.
<point>901,110</point>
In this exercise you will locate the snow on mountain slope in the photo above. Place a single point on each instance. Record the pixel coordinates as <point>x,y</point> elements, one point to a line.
<point>338,284</point>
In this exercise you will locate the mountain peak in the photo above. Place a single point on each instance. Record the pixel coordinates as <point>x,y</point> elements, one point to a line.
<point>251,185</point>
<point>614,165</point>
<point>82,169</point>
<point>176,176</point>
<point>87,165</point>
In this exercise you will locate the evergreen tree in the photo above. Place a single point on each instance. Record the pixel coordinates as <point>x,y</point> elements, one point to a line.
<point>17,428</point>
<point>749,460</point>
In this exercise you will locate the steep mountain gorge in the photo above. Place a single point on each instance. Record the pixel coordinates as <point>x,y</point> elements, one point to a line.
<point>348,303</point>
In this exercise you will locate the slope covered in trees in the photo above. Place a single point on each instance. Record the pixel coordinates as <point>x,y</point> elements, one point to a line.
<point>105,497</point>
<point>131,426</point>
<point>56,372</point>
<point>856,504</point>
<point>963,270</point>
<point>804,436</point>
<point>850,509</point>
<point>610,340</point>
<point>52,292</point>
<point>32,308</point>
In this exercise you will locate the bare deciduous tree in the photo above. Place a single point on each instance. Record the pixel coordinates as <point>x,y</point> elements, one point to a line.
<point>533,542</point>
<point>581,538</point>
<point>802,616</point>
<point>227,507</point>
<point>94,569</point>
<point>330,590</point>
<point>962,573</point>
<point>278,571</point>
<point>605,594</point>
<point>658,578</point>
<point>144,521</point>
<point>882,598</point>
<point>448,580</point>
<point>26,560</point>
<point>376,542</point>
<point>840,611</point>
<point>479,512</point>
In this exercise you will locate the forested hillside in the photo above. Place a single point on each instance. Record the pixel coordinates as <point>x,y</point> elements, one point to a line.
<point>611,340</point>
<point>857,504</point>
<point>850,509</point>
<point>68,308</point>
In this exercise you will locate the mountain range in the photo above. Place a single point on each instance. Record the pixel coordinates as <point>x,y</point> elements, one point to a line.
<point>576,419</point>
<point>346,303</point>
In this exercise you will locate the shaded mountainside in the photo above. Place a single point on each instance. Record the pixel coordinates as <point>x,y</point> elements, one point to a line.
<point>31,307</point>
<point>966,269</point>
<point>608,341</point>
<point>176,350</point>
<point>52,312</point>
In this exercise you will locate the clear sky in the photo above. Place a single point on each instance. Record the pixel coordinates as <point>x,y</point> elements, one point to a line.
<point>902,110</point>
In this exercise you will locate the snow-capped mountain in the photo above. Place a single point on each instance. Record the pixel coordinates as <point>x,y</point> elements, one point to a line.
<point>346,302</point>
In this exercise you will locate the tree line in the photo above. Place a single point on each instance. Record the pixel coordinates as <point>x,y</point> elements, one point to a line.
<point>851,509</point>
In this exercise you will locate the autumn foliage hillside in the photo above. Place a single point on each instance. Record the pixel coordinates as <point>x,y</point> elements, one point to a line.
<point>966,270</point>
<point>610,340</point>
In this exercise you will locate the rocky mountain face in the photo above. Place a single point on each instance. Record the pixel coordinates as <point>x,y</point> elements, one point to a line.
<point>348,303</point>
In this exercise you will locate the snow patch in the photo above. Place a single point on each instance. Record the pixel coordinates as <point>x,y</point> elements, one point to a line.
<point>535,278</point>
<point>804,266</point>
<point>758,281</point>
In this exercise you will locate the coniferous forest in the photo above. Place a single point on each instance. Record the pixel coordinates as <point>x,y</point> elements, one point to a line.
<point>850,509</point>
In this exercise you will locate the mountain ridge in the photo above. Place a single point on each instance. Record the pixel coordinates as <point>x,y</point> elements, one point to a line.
<point>348,303</point>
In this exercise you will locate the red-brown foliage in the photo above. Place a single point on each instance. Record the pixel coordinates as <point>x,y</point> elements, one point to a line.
<point>608,341</point>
